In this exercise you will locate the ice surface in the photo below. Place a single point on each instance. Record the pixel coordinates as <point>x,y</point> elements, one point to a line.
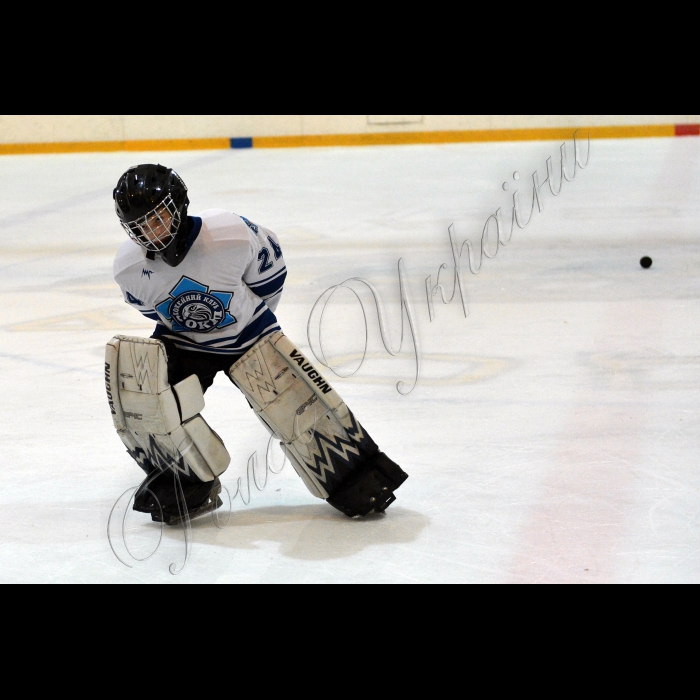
<point>553,433</point>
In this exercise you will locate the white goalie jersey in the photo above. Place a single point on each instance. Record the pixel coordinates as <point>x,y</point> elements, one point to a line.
<point>221,299</point>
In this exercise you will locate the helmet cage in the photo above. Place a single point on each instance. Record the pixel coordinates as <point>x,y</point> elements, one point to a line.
<point>144,229</point>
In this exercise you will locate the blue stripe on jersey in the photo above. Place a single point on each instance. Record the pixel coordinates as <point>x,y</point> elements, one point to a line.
<point>263,325</point>
<point>162,329</point>
<point>254,321</point>
<point>272,296</point>
<point>253,285</point>
<point>253,327</point>
<point>149,313</point>
<point>233,352</point>
<point>254,330</point>
<point>270,288</point>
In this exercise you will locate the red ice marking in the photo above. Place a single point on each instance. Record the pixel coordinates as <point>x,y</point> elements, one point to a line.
<point>687,129</point>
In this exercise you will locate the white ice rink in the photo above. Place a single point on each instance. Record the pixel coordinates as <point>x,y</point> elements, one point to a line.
<point>553,434</point>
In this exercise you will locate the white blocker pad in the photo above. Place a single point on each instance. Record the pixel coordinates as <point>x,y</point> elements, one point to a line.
<point>156,420</point>
<point>294,401</point>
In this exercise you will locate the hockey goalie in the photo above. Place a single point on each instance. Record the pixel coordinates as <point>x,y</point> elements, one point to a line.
<point>212,283</point>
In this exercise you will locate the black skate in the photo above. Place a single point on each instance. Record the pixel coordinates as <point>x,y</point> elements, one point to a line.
<point>371,488</point>
<point>160,496</point>
<point>210,503</point>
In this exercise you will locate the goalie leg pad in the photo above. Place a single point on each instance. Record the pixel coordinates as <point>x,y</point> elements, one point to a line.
<point>157,420</point>
<point>329,449</point>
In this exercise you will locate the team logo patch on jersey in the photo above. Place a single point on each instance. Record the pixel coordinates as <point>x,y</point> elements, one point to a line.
<point>192,307</point>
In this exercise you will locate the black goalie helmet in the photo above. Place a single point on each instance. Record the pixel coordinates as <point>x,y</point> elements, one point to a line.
<point>151,203</point>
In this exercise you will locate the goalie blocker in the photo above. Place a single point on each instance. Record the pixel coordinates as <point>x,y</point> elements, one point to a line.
<point>327,446</point>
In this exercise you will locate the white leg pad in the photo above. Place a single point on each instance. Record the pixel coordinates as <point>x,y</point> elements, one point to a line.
<point>294,401</point>
<point>152,416</point>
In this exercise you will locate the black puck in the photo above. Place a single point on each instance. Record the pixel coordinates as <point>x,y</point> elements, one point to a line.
<point>645,262</point>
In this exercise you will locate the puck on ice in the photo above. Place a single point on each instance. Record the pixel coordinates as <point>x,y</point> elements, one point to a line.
<point>645,262</point>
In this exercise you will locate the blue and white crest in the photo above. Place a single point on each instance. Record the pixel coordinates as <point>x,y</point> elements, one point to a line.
<point>192,307</point>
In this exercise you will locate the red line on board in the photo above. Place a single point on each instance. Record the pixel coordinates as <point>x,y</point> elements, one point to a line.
<point>687,129</point>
